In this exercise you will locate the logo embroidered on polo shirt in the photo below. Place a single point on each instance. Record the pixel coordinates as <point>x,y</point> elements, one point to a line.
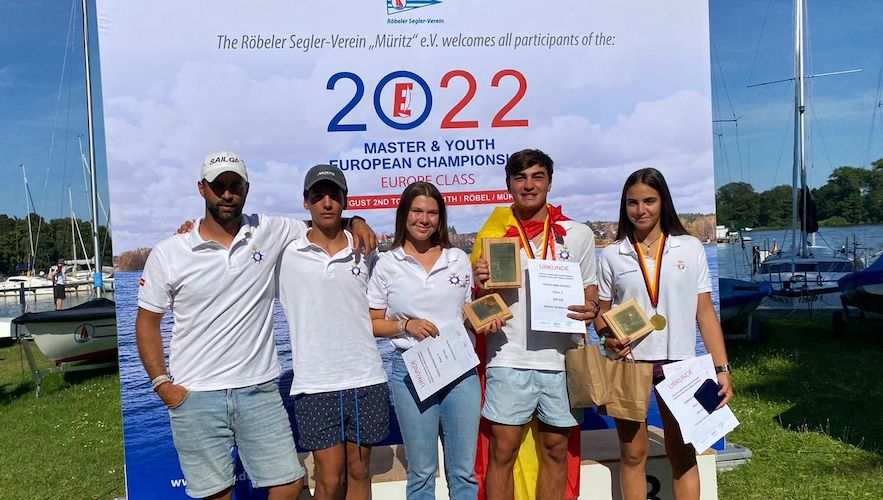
<point>455,279</point>
<point>564,254</point>
<point>682,265</point>
<point>256,255</point>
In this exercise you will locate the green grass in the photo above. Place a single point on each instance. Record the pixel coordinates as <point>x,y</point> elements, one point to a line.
<point>810,408</point>
<point>68,443</point>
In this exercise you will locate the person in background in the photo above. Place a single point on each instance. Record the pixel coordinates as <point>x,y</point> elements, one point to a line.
<point>56,274</point>
<point>657,263</point>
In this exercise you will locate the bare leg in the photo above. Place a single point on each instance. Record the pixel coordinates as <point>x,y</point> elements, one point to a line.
<point>505,441</point>
<point>330,472</point>
<point>552,478</point>
<point>358,473</point>
<point>634,446</point>
<point>288,491</point>
<point>223,495</point>
<point>685,472</point>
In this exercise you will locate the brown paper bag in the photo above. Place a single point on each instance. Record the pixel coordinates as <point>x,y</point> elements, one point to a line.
<point>587,383</point>
<point>630,387</point>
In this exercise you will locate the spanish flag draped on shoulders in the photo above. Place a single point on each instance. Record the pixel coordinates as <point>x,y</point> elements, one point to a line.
<point>504,223</point>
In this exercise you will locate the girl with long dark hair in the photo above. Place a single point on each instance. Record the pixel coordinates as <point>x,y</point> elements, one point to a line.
<point>656,262</point>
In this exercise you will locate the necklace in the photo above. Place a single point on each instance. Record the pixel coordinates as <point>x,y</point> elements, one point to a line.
<point>648,246</point>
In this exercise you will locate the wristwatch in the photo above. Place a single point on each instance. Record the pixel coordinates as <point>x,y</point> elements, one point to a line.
<point>723,368</point>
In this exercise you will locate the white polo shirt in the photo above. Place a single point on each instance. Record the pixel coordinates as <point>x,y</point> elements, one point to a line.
<point>684,276</point>
<point>324,299</point>
<point>402,286</point>
<point>221,300</point>
<point>517,346</point>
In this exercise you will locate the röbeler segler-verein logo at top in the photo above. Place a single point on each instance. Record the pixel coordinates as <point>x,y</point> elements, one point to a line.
<point>398,6</point>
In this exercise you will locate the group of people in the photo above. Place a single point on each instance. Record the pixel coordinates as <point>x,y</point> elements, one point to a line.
<point>339,294</point>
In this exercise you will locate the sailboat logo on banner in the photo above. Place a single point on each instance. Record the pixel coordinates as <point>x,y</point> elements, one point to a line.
<point>397,6</point>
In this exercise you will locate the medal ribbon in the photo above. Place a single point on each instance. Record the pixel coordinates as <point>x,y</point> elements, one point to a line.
<point>548,240</point>
<point>652,283</point>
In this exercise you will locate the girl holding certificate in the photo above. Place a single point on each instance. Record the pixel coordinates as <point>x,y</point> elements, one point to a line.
<point>657,263</point>
<point>420,284</point>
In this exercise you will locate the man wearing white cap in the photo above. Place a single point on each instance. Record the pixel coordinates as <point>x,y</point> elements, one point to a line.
<point>220,388</point>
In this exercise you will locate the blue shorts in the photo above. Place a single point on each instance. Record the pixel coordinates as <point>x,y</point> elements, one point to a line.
<point>207,424</point>
<point>326,419</point>
<point>512,395</point>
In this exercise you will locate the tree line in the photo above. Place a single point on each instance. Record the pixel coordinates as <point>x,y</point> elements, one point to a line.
<point>53,240</point>
<point>851,196</point>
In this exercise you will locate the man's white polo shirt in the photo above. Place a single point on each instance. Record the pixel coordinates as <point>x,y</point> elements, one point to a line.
<point>324,298</point>
<point>222,302</point>
<point>684,276</point>
<point>517,346</point>
<point>402,286</point>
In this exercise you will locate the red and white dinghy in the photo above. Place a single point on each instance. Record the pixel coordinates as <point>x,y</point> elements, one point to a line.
<point>84,332</point>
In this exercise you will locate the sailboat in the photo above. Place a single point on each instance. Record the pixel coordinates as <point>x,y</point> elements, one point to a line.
<point>804,276</point>
<point>29,282</point>
<point>87,331</point>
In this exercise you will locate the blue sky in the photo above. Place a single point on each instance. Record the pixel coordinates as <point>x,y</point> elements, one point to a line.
<point>752,42</point>
<point>43,107</point>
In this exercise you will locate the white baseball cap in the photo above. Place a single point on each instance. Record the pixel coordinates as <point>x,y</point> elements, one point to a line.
<point>223,161</point>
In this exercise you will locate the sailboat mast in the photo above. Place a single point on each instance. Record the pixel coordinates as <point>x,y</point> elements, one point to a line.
<point>93,178</point>
<point>799,170</point>
<point>32,256</point>
<point>70,199</point>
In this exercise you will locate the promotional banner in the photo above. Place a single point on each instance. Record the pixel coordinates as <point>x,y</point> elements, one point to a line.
<point>392,92</point>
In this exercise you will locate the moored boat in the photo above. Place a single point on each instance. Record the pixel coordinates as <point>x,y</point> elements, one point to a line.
<point>739,298</point>
<point>83,332</point>
<point>864,289</point>
<point>86,331</point>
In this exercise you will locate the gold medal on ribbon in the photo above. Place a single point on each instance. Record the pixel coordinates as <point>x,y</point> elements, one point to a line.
<point>652,282</point>
<point>658,321</point>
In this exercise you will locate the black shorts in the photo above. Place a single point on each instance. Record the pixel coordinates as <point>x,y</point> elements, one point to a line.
<point>326,419</point>
<point>59,291</point>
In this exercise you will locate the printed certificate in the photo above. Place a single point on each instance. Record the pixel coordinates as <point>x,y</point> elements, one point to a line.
<point>554,286</point>
<point>698,427</point>
<point>435,362</point>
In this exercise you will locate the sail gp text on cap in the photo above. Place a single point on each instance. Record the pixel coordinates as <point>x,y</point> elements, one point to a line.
<point>223,161</point>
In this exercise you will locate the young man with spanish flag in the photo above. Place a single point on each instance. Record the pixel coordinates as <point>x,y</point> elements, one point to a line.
<point>525,376</point>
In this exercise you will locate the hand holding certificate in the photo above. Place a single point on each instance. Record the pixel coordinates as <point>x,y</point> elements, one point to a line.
<point>435,362</point>
<point>554,286</point>
<point>699,427</point>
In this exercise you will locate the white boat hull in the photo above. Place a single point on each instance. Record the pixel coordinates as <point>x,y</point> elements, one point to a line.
<point>75,341</point>
<point>808,302</point>
<point>86,331</point>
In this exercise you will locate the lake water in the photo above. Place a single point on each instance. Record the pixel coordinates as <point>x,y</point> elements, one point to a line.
<point>735,261</point>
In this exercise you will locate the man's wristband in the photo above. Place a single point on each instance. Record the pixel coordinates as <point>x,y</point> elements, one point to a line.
<point>723,368</point>
<point>160,380</point>
<point>603,340</point>
<point>597,307</point>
